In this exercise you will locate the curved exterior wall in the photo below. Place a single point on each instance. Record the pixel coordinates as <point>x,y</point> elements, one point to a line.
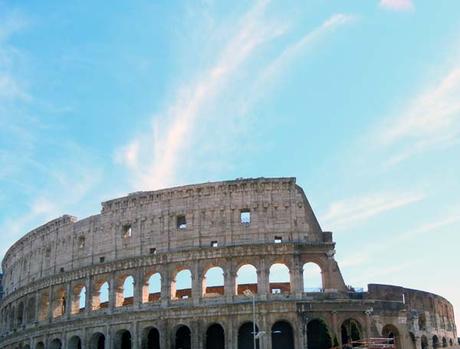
<point>197,227</point>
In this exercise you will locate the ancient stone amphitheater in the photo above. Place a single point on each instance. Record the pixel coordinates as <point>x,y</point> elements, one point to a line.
<point>110,281</point>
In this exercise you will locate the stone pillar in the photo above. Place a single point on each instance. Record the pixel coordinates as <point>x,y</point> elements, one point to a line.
<point>263,284</point>
<point>88,295</point>
<point>50,304</point>
<point>68,300</point>
<point>112,293</point>
<point>37,307</point>
<point>335,330</point>
<point>138,288</point>
<point>266,339</point>
<point>165,288</point>
<point>229,285</point>
<point>196,284</point>
<point>296,276</point>
<point>135,338</point>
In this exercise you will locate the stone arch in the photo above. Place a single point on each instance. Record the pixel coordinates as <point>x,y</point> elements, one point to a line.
<point>435,342</point>
<point>422,321</point>
<point>124,291</point>
<point>40,345</point>
<point>318,335</point>
<point>351,331</point>
<point>444,342</point>
<point>122,340</point>
<point>151,338</point>
<point>313,277</point>
<point>101,295</point>
<point>213,282</point>
<point>55,344</point>
<point>413,340</point>
<point>279,278</point>
<point>451,343</point>
<point>215,337</point>
<point>26,346</point>
<point>74,343</point>
<point>30,311</point>
<point>20,314</point>
<point>183,337</point>
<point>97,341</point>
<point>12,316</point>
<point>424,342</point>
<point>78,299</point>
<point>246,335</point>
<point>59,304</point>
<point>181,285</point>
<point>246,279</point>
<point>390,331</point>
<point>282,335</point>
<point>151,290</point>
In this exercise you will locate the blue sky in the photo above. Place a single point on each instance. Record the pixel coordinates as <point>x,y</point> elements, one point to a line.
<point>360,100</point>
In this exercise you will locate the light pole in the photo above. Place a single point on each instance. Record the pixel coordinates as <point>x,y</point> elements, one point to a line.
<point>248,293</point>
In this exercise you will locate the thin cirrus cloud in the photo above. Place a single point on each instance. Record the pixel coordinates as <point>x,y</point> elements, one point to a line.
<point>349,212</point>
<point>431,119</point>
<point>153,157</point>
<point>397,5</point>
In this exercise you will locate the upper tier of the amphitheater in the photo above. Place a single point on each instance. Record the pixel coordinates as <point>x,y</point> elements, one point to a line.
<point>225,213</point>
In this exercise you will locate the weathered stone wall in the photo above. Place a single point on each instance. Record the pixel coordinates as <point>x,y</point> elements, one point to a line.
<point>145,234</point>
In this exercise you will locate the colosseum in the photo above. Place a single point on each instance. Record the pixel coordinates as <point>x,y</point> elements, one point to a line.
<point>111,281</point>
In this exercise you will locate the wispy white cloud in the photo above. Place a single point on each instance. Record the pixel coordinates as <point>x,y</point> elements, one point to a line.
<point>397,5</point>
<point>346,213</point>
<point>431,119</point>
<point>153,157</point>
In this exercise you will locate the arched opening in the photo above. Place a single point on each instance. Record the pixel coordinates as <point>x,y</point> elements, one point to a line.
<point>390,331</point>
<point>282,335</point>
<point>451,343</point>
<point>246,336</point>
<point>318,335</point>
<point>20,314</point>
<point>30,312</point>
<point>424,342</point>
<point>435,342</point>
<point>153,288</point>
<point>350,332</point>
<point>78,299</point>
<point>55,344</point>
<point>181,286</point>
<point>74,343</point>
<point>413,340</point>
<point>246,279</point>
<point>279,278</point>
<point>151,338</point>
<point>12,318</point>
<point>26,346</point>
<point>444,342</point>
<point>97,341</point>
<point>59,302</point>
<point>312,278</point>
<point>183,338</point>
<point>100,299</point>
<point>123,340</point>
<point>213,282</point>
<point>40,345</point>
<point>215,337</point>
<point>124,294</point>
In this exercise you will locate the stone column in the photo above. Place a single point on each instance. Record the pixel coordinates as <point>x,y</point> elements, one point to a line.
<point>165,287</point>
<point>263,284</point>
<point>88,295</point>
<point>37,306</point>
<point>296,276</point>
<point>50,304</point>
<point>68,301</point>
<point>196,284</point>
<point>229,285</point>
<point>138,288</point>
<point>112,293</point>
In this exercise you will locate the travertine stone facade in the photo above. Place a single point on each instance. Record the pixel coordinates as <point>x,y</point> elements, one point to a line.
<point>260,222</point>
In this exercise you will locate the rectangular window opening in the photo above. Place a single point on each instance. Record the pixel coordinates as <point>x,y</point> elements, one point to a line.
<point>278,239</point>
<point>245,216</point>
<point>181,222</point>
<point>127,231</point>
<point>153,250</point>
<point>81,242</point>
<point>276,290</point>
<point>101,259</point>
<point>214,244</point>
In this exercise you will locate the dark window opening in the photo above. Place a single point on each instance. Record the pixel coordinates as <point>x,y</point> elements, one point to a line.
<point>81,242</point>
<point>61,269</point>
<point>127,231</point>
<point>101,259</point>
<point>278,239</point>
<point>153,250</point>
<point>214,244</point>
<point>181,222</point>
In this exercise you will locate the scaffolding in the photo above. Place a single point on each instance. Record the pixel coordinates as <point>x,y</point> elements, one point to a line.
<point>370,343</point>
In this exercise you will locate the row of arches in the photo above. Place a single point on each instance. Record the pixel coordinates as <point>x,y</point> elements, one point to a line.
<point>435,342</point>
<point>61,300</point>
